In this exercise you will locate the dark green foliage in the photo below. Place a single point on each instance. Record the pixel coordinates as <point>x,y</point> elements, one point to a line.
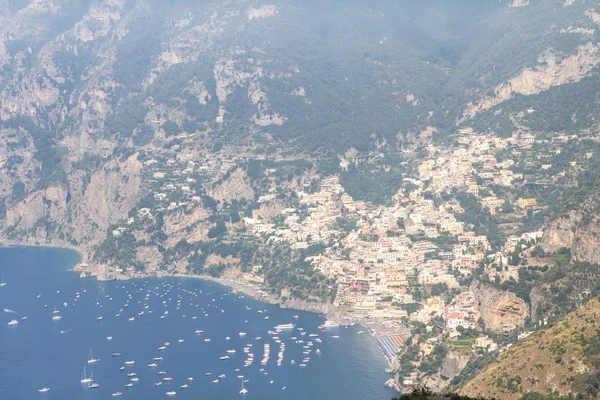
<point>439,288</point>
<point>422,393</point>
<point>143,136</point>
<point>18,191</point>
<point>120,250</point>
<point>218,230</point>
<point>171,128</point>
<point>481,219</point>
<point>374,185</point>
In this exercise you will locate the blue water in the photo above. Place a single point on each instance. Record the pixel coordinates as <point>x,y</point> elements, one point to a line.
<point>35,354</point>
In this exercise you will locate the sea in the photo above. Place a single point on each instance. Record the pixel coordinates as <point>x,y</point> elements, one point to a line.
<point>194,322</point>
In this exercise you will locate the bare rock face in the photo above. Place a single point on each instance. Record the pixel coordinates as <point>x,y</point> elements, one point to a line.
<point>577,230</point>
<point>112,192</point>
<point>453,364</point>
<point>560,233</point>
<point>551,71</point>
<point>150,257</point>
<point>237,186</point>
<point>50,202</point>
<point>499,310</point>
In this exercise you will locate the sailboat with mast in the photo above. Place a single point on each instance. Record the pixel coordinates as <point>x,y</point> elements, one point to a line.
<point>2,283</point>
<point>91,358</point>
<point>243,390</point>
<point>92,384</point>
<point>84,377</point>
<point>56,315</point>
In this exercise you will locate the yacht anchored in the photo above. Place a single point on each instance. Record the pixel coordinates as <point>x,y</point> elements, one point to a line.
<point>56,315</point>
<point>243,390</point>
<point>84,377</point>
<point>2,283</point>
<point>43,390</point>
<point>91,359</point>
<point>13,322</point>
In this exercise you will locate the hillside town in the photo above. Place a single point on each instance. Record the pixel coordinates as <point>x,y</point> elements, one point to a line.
<point>398,268</point>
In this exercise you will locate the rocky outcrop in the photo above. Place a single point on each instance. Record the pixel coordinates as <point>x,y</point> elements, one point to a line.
<point>577,230</point>
<point>453,364</point>
<point>551,71</point>
<point>500,310</point>
<point>237,187</point>
<point>150,257</point>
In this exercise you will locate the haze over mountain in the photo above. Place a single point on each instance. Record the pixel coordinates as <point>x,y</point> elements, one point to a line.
<point>186,137</point>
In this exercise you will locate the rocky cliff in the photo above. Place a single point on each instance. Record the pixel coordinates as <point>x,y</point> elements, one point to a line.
<point>557,360</point>
<point>577,230</point>
<point>500,310</point>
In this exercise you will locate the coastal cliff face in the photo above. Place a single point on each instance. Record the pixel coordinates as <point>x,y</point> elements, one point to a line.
<point>499,309</point>
<point>577,230</point>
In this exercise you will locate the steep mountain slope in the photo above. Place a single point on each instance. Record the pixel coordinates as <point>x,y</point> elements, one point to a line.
<point>562,359</point>
<point>93,93</point>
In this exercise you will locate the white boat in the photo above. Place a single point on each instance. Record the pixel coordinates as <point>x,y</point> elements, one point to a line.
<point>84,377</point>
<point>158,358</point>
<point>129,385</point>
<point>93,385</point>
<point>13,322</point>
<point>284,326</point>
<point>243,390</point>
<point>109,338</point>
<point>171,393</point>
<point>117,394</point>
<point>153,365</point>
<point>91,359</point>
<point>231,351</point>
<point>242,333</point>
<point>56,315</point>
<point>99,319</point>
<point>42,390</point>
<point>224,358</point>
<point>4,284</point>
<point>162,348</point>
<point>216,380</point>
<point>184,386</point>
<point>116,354</point>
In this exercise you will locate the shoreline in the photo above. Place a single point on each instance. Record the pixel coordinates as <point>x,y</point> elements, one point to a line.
<point>246,288</point>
